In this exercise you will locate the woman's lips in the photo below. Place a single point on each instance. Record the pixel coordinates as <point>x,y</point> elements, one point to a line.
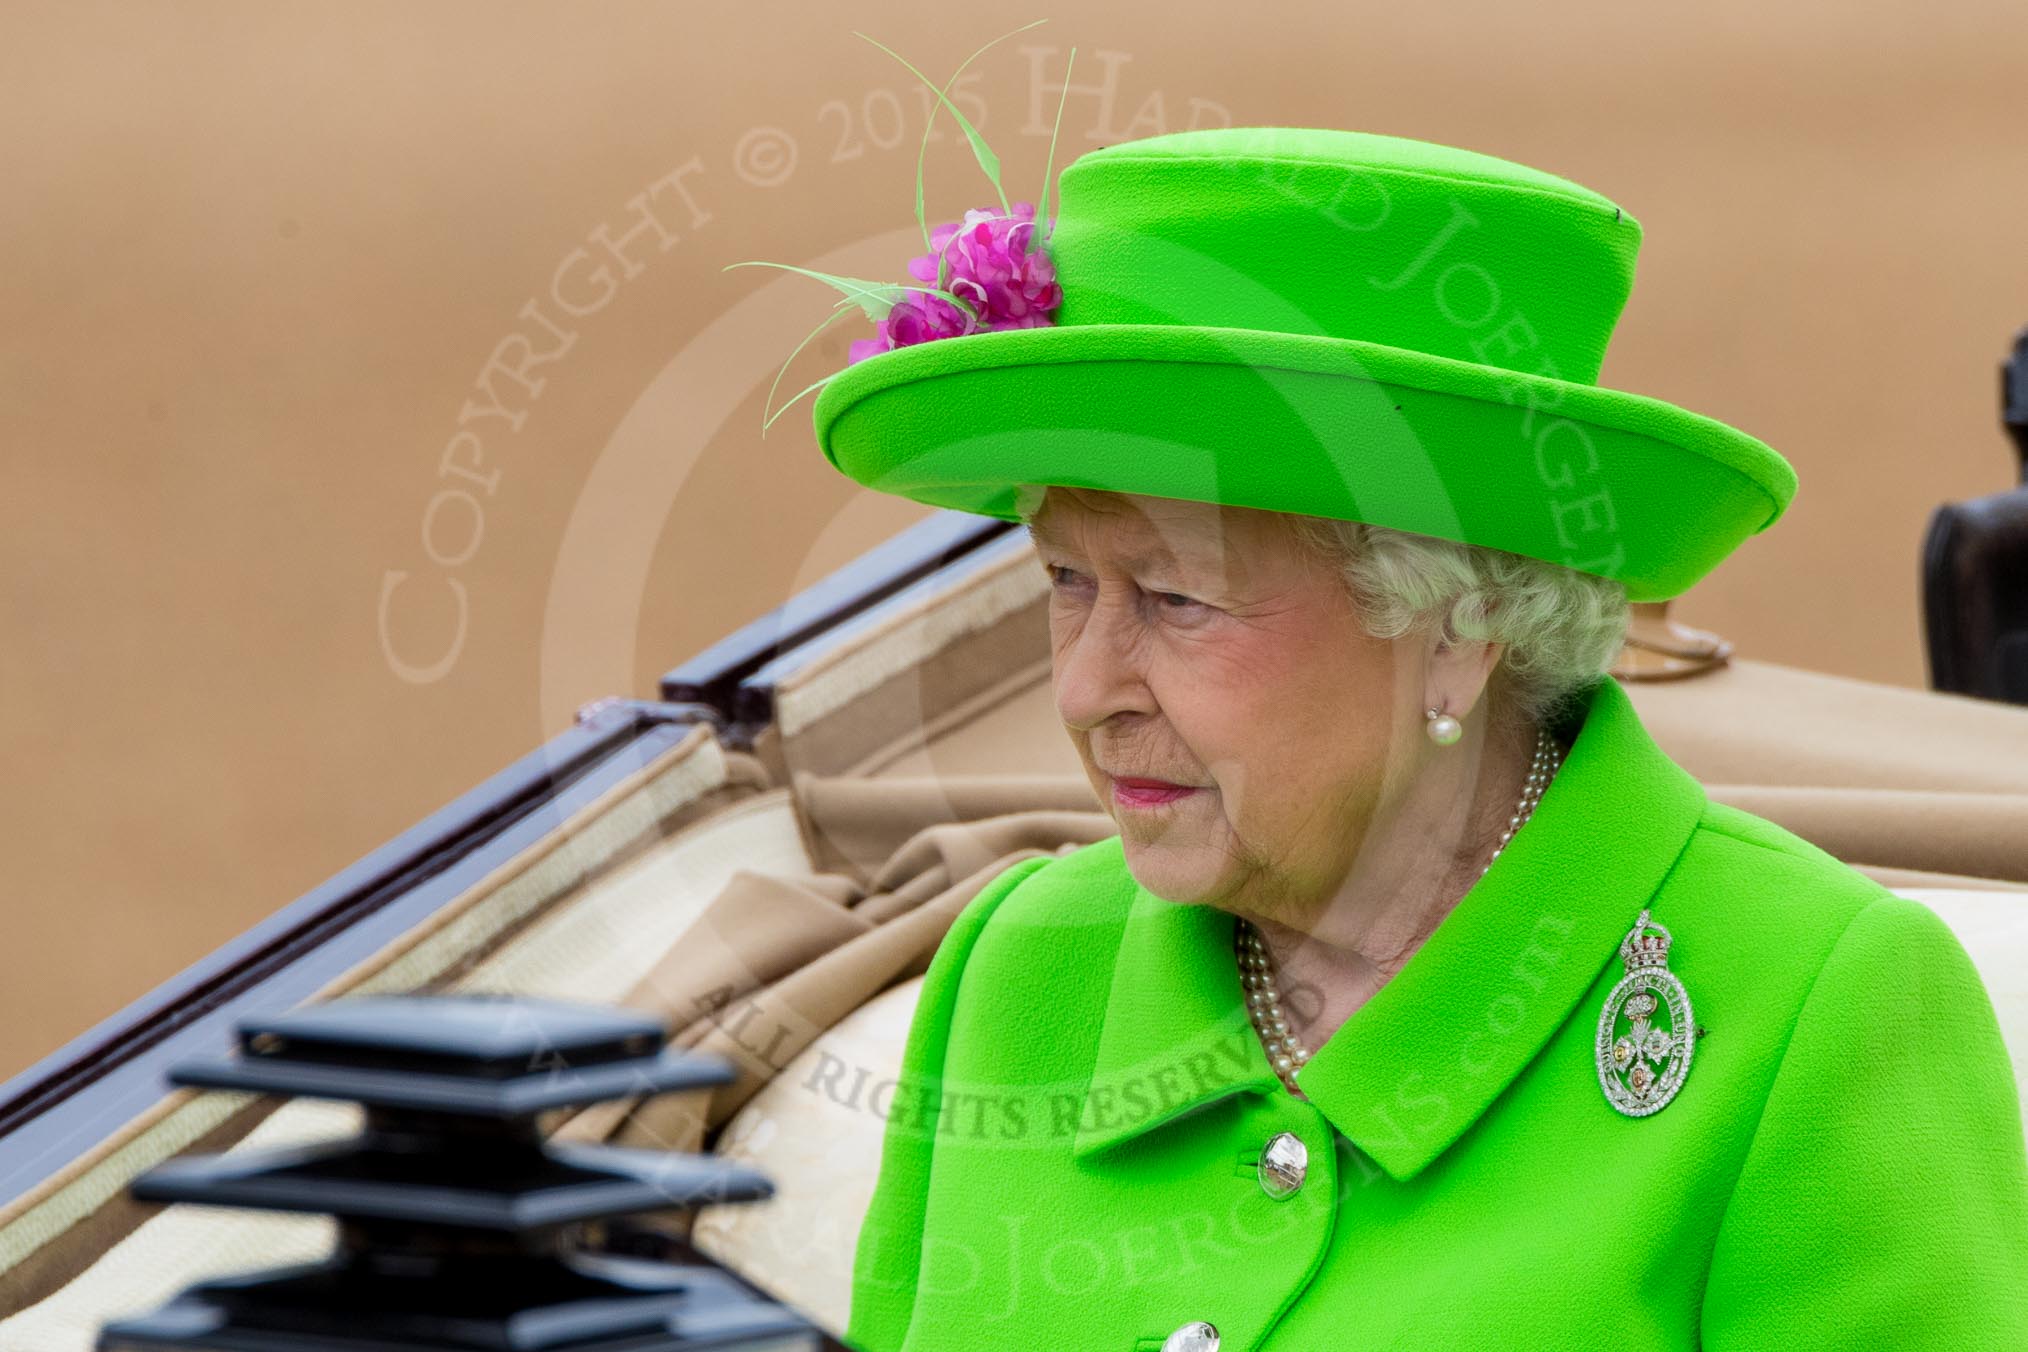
<point>1148,792</point>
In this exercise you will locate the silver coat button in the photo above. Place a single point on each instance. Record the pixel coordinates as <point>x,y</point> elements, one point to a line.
<point>1284,1161</point>
<point>1197,1337</point>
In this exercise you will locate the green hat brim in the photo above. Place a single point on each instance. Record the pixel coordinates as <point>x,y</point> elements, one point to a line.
<point>1600,480</point>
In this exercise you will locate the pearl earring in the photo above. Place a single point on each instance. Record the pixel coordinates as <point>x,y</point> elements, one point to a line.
<point>1442,728</point>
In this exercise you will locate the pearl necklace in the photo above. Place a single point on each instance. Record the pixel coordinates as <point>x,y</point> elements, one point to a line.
<point>1256,973</point>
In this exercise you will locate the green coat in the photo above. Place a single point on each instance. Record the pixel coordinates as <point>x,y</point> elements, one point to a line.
<point>1070,1155</point>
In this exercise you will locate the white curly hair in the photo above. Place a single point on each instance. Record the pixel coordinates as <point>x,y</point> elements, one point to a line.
<point>1561,628</point>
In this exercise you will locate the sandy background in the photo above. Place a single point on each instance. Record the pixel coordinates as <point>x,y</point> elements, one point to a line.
<point>267,269</point>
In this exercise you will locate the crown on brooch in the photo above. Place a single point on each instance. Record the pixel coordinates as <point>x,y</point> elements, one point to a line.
<point>1645,950</point>
<point>988,272</point>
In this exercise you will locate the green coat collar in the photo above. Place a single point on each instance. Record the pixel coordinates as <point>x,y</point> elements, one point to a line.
<point>1418,1064</point>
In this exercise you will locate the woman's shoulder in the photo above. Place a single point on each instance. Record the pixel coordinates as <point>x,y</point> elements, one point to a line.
<point>1787,911</point>
<point>1038,942</point>
<point>1759,864</point>
<point>1884,1123</point>
<point>1042,912</point>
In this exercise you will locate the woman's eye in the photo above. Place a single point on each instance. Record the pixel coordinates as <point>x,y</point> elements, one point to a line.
<point>1061,577</point>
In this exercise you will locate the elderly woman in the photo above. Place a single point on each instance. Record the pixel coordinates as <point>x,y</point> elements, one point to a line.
<point>1420,1001</point>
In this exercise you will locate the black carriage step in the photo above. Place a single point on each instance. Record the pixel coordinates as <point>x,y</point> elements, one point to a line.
<point>601,1303</point>
<point>460,1228</point>
<point>467,1056</point>
<point>521,1191</point>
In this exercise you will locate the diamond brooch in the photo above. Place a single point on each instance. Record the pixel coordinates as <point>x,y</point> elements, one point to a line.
<point>1645,1031</point>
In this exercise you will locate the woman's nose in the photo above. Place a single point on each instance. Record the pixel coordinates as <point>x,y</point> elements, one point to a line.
<point>1098,666</point>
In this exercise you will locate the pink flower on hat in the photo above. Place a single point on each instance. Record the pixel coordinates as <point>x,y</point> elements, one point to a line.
<point>916,318</point>
<point>991,266</point>
<point>987,272</point>
<point>994,267</point>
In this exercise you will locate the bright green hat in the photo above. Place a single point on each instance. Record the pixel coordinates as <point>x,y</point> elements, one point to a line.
<point>1329,323</point>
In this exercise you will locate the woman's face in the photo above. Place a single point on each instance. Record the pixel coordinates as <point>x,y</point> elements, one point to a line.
<point>1203,646</point>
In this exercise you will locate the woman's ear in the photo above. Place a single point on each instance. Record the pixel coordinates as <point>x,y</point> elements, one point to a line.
<point>1458,672</point>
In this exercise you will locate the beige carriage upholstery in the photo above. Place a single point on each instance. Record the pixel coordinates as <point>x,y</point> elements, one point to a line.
<point>779,908</point>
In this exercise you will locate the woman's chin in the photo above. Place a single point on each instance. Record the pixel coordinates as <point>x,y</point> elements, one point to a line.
<point>1179,874</point>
